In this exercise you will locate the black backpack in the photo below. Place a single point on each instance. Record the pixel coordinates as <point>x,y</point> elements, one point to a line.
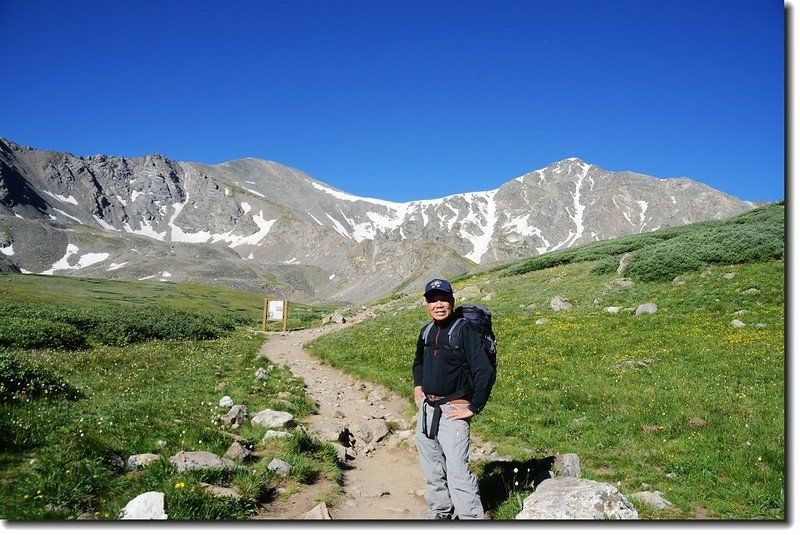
<point>480,318</point>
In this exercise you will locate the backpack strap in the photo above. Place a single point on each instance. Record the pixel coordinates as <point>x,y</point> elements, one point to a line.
<point>426,332</point>
<point>453,327</point>
<point>450,332</point>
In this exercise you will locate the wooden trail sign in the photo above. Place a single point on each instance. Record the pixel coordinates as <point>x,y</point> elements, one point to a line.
<point>275,311</point>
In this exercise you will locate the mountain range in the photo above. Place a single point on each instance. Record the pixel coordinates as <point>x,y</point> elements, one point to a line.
<point>261,226</point>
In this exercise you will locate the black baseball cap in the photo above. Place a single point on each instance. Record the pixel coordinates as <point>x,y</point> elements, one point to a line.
<point>438,285</point>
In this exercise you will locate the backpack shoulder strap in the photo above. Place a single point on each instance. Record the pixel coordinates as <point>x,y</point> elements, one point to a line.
<point>453,329</point>
<point>426,332</point>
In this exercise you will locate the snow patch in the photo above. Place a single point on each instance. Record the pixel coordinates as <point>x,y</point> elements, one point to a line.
<point>254,192</point>
<point>69,200</point>
<point>67,215</point>
<point>577,215</point>
<point>114,266</point>
<point>643,209</point>
<point>103,223</point>
<point>84,261</point>
<point>520,225</point>
<point>235,240</point>
<point>353,198</point>
<point>485,218</point>
<point>338,226</point>
<point>315,219</point>
<point>8,250</point>
<point>146,229</point>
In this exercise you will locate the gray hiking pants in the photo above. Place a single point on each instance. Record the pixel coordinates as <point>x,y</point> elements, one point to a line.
<point>444,461</point>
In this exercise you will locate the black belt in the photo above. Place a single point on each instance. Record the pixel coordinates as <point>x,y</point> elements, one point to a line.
<point>436,402</point>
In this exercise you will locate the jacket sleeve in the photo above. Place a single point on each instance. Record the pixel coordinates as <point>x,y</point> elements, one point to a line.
<point>483,373</point>
<point>416,367</point>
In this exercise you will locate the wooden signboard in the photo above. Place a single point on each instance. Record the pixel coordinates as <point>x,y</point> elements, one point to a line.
<point>276,311</point>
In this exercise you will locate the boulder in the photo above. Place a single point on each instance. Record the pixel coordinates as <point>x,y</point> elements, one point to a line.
<point>235,416</point>
<point>272,419</point>
<point>646,308</point>
<point>147,506</point>
<point>654,499</point>
<point>571,498</point>
<point>320,512</point>
<point>238,453</point>
<point>280,467</point>
<point>200,460</point>
<point>142,459</point>
<point>558,304</point>
<point>372,430</point>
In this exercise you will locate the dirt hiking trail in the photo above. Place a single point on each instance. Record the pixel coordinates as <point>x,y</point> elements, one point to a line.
<point>384,480</point>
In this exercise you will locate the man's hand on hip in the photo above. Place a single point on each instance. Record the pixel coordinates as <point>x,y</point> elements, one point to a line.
<point>459,412</point>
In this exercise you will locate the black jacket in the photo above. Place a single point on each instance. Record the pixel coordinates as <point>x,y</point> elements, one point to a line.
<point>443,370</point>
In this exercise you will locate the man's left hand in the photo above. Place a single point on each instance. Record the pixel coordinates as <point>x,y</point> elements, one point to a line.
<point>459,412</point>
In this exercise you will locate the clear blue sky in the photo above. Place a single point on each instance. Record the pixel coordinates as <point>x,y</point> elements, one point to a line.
<point>405,100</point>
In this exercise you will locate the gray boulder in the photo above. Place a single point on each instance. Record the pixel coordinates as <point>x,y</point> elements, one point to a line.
<point>235,416</point>
<point>147,506</point>
<point>238,453</point>
<point>646,308</point>
<point>567,465</point>
<point>142,459</point>
<point>372,430</point>
<point>558,304</point>
<point>200,460</point>
<point>272,419</point>
<point>571,498</point>
<point>280,467</point>
<point>320,512</point>
<point>654,499</point>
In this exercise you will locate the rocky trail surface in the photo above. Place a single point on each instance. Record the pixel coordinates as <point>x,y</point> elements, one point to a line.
<point>383,480</point>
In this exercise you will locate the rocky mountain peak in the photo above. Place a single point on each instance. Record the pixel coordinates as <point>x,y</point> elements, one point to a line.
<point>258,225</point>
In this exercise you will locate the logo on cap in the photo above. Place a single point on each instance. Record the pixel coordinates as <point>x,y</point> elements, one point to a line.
<point>438,285</point>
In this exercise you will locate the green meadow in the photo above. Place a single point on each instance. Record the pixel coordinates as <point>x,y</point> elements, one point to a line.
<point>92,372</point>
<point>681,401</point>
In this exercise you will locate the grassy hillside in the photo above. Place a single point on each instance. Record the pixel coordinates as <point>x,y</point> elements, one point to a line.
<point>92,372</point>
<point>681,401</point>
<point>245,308</point>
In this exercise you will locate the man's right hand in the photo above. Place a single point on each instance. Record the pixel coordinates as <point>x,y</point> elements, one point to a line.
<point>419,395</point>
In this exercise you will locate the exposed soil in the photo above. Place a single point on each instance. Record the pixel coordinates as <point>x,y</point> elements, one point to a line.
<point>384,480</point>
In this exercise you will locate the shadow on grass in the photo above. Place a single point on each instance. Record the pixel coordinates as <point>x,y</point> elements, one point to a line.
<point>497,480</point>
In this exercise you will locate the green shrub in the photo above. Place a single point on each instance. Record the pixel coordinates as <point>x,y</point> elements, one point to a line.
<point>661,255</point>
<point>726,245</point>
<point>35,333</point>
<point>60,326</point>
<point>606,266</point>
<point>22,380</point>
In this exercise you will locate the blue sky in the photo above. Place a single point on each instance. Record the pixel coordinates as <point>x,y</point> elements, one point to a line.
<point>407,100</point>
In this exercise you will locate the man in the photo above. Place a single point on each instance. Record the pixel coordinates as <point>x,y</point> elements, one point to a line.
<point>452,380</point>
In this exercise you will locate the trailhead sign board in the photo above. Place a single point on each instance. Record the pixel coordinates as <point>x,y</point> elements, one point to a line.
<point>275,310</point>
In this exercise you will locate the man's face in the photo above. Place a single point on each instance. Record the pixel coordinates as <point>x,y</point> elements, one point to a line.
<point>440,305</point>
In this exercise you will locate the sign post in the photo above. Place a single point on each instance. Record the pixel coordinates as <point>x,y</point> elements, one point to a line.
<point>276,311</point>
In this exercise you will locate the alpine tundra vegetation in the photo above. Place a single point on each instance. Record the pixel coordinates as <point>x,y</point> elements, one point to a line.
<point>687,399</point>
